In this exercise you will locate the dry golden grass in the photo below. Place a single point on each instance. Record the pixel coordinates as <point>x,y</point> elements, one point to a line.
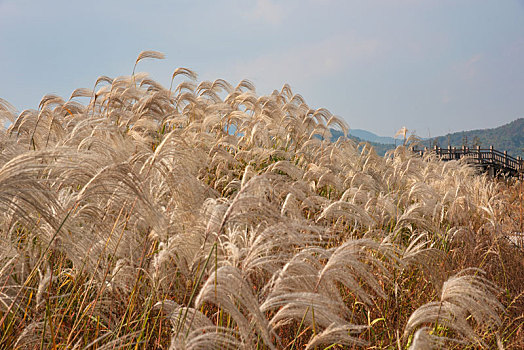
<point>206,216</point>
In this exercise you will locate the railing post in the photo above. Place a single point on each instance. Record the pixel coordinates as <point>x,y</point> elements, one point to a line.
<point>506,159</point>
<point>479,156</point>
<point>491,155</point>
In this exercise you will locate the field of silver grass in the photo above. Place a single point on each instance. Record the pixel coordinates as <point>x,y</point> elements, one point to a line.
<point>203,216</point>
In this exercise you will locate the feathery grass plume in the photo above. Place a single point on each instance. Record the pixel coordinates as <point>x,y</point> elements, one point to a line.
<point>120,181</point>
<point>25,194</point>
<point>37,334</point>
<point>184,319</point>
<point>245,84</point>
<point>228,289</point>
<point>420,254</point>
<point>49,100</point>
<point>103,78</point>
<point>184,72</point>
<point>271,248</point>
<point>352,213</point>
<point>177,259</point>
<point>44,281</point>
<point>312,309</point>
<point>424,340</point>
<point>8,299</point>
<point>7,113</point>
<point>211,337</point>
<point>148,54</point>
<point>305,289</point>
<point>464,295</point>
<point>120,342</point>
<point>345,266</point>
<point>253,198</point>
<point>338,334</point>
<point>81,92</point>
<point>402,132</point>
<point>24,126</point>
<point>300,273</point>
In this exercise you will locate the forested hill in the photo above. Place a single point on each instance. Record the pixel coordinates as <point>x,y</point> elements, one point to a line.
<point>508,137</point>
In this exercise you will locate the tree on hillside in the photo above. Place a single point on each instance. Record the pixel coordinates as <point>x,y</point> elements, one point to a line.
<point>476,142</point>
<point>464,140</point>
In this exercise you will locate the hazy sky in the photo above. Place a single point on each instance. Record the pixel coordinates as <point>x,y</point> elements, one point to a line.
<point>432,65</point>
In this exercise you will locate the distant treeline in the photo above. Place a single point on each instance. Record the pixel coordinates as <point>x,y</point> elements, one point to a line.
<point>508,137</point>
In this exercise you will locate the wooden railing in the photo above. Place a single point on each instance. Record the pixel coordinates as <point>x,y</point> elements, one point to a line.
<point>486,157</point>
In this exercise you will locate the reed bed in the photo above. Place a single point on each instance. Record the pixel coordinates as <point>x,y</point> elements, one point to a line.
<point>204,216</point>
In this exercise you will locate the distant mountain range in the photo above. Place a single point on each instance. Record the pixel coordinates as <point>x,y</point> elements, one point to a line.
<point>508,137</point>
<point>380,148</point>
<point>370,137</point>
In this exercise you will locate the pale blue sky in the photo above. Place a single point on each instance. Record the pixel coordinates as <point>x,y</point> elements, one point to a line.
<point>431,65</point>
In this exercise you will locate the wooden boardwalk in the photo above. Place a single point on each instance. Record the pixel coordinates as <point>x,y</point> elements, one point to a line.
<point>494,162</point>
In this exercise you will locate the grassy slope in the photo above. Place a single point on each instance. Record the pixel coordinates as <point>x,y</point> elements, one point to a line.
<point>138,221</point>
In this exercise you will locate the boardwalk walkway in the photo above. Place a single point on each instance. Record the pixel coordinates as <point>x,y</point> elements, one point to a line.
<point>494,162</point>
